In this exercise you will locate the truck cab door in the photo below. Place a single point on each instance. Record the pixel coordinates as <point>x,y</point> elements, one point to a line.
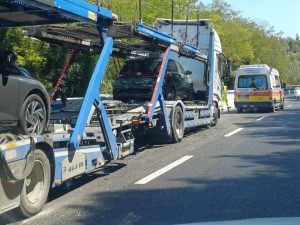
<point>9,93</point>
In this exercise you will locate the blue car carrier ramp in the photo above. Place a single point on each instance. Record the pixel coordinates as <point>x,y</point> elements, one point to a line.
<point>20,13</point>
<point>92,27</point>
<point>17,13</point>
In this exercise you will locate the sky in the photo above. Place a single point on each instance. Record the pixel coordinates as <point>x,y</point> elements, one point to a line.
<point>283,15</point>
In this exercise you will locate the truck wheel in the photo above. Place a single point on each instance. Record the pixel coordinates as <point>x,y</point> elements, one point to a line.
<point>33,115</point>
<point>36,186</point>
<point>215,117</point>
<point>178,125</point>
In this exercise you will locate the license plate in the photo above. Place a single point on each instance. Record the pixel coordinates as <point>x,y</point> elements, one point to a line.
<point>244,97</point>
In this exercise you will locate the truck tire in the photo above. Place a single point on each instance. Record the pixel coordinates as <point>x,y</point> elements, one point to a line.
<point>178,125</point>
<point>36,186</point>
<point>33,116</point>
<point>215,120</point>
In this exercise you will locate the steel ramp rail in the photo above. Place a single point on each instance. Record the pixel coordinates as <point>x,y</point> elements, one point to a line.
<point>17,13</point>
<point>93,25</point>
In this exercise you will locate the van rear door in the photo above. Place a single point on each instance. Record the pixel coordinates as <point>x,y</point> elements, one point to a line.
<point>252,88</point>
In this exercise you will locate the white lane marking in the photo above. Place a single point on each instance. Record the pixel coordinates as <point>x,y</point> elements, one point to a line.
<point>289,106</point>
<point>260,118</point>
<point>163,170</point>
<point>234,132</point>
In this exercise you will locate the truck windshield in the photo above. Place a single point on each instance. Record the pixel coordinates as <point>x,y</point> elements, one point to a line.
<point>141,67</point>
<point>253,81</point>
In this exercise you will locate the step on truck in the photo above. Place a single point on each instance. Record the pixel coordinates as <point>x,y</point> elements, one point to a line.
<point>90,133</point>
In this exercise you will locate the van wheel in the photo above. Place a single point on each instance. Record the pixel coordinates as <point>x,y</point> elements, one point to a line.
<point>282,105</point>
<point>273,107</point>
<point>36,186</point>
<point>178,125</point>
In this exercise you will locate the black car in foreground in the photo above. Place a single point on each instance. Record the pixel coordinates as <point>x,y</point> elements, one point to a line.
<point>24,101</point>
<point>138,76</point>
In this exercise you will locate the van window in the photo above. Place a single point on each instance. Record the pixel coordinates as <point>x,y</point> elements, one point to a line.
<point>253,81</point>
<point>277,82</point>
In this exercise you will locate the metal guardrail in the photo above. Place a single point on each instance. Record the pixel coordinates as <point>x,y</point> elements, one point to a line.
<point>292,92</point>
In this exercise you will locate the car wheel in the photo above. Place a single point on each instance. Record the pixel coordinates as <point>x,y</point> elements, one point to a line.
<point>36,186</point>
<point>191,94</point>
<point>239,110</point>
<point>33,115</point>
<point>172,94</point>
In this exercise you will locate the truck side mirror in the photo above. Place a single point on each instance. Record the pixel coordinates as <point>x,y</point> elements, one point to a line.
<point>228,63</point>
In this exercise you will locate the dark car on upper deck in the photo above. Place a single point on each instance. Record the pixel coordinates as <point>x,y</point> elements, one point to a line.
<point>137,78</point>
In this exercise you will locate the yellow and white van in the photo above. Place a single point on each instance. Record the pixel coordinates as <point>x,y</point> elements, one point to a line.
<point>258,86</point>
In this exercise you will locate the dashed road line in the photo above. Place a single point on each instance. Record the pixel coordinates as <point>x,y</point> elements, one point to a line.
<point>163,170</point>
<point>289,106</point>
<point>260,118</point>
<point>233,132</point>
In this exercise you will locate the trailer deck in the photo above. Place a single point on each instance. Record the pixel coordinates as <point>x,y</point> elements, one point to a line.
<point>89,134</point>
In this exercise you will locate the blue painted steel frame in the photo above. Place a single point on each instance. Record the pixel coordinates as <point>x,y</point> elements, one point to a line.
<point>77,10</point>
<point>155,34</point>
<point>211,71</point>
<point>191,49</point>
<point>92,95</point>
<point>158,95</point>
<point>83,9</point>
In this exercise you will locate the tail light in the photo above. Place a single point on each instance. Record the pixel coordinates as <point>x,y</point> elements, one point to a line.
<point>166,78</point>
<point>271,94</point>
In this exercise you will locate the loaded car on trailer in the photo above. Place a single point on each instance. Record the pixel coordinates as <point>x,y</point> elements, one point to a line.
<point>137,78</point>
<point>30,165</point>
<point>24,101</point>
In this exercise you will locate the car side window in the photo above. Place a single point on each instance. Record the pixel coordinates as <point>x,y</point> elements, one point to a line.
<point>9,69</point>
<point>180,68</point>
<point>171,66</point>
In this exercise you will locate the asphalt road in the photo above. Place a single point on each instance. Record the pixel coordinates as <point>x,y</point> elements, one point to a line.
<point>248,166</point>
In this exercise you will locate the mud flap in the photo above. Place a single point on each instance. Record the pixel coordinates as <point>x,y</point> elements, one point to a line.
<point>20,169</point>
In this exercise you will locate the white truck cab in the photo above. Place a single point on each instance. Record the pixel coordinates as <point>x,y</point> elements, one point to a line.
<point>197,33</point>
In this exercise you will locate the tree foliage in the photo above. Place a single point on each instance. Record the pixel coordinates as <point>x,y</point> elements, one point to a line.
<point>243,41</point>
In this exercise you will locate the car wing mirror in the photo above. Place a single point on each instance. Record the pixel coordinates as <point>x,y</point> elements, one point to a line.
<point>188,72</point>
